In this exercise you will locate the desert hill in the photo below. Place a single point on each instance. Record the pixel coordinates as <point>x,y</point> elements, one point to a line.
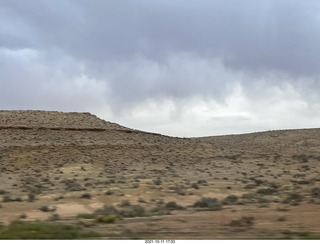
<point>53,119</point>
<point>237,186</point>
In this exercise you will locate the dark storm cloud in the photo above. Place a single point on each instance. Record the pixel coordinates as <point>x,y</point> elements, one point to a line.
<point>250,35</point>
<point>82,54</point>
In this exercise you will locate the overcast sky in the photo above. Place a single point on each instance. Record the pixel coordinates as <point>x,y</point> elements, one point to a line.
<point>176,67</point>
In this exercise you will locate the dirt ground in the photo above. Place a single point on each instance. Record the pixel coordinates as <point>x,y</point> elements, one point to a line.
<point>56,167</point>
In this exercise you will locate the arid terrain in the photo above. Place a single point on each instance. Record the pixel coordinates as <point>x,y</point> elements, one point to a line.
<point>74,168</point>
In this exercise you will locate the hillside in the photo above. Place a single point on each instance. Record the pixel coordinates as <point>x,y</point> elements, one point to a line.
<point>254,185</point>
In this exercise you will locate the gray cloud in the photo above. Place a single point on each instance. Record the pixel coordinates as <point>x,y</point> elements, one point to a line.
<point>112,56</point>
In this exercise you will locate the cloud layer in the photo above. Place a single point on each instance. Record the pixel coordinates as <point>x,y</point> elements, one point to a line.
<point>175,67</point>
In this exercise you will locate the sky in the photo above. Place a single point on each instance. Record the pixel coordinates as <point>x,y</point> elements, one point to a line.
<point>175,67</point>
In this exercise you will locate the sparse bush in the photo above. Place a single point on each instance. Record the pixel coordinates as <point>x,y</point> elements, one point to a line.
<point>125,203</point>
<point>195,186</point>
<point>2,192</point>
<point>267,191</point>
<point>202,182</point>
<point>256,181</point>
<point>173,206</point>
<point>47,209</point>
<point>301,158</point>
<point>250,186</point>
<point>31,197</point>
<point>109,192</point>
<point>23,216</point>
<point>212,204</point>
<point>54,217</point>
<point>178,189</point>
<point>282,218</point>
<point>315,192</point>
<point>6,199</point>
<point>231,199</point>
<point>86,216</point>
<point>86,196</point>
<point>245,221</point>
<point>133,211</point>
<point>293,198</point>
<point>135,185</point>
<point>106,219</point>
<point>159,211</point>
<point>157,182</point>
<point>141,200</point>
<point>107,210</point>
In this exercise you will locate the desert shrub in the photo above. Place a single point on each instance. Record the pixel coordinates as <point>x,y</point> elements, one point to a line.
<point>133,211</point>
<point>86,216</point>
<point>195,186</point>
<point>315,192</point>
<point>250,186</point>
<point>72,185</point>
<point>271,184</point>
<point>173,206</point>
<point>157,182</point>
<point>231,199</point>
<point>256,181</point>
<point>178,189</point>
<point>141,200</point>
<point>109,192</point>
<point>6,199</point>
<point>86,196</point>
<point>282,218</point>
<point>135,185</point>
<point>23,216</point>
<point>106,219</point>
<point>157,211</point>
<point>125,203</point>
<point>31,197</point>
<point>54,217</point>
<point>202,182</point>
<point>107,210</point>
<point>267,191</point>
<point>17,199</point>
<point>212,204</point>
<point>293,198</point>
<point>47,209</point>
<point>244,221</point>
<point>2,192</point>
<point>41,230</point>
<point>254,198</point>
<point>302,158</point>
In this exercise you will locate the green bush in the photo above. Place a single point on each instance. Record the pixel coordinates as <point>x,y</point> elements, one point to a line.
<point>41,230</point>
